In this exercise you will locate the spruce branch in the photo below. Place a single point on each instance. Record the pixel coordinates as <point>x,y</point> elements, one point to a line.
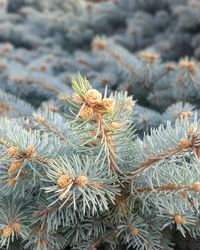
<point>184,144</point>
<point>100,117</point>
<point>99,44</point>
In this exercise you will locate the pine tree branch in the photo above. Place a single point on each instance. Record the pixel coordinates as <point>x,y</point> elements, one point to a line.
<point>29,81</point>
<point>101,45</point>
<point>41,120</point>
<point>168,187</point>
<point>183,145</point>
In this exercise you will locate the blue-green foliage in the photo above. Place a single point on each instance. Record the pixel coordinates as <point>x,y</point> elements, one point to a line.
<point>148,48</point>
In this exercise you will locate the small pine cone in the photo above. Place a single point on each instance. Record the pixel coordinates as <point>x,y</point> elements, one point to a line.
<point>1,232</point>
<point>184,143</point>
<point>40,119</point>
<point>16,227</point>
<point>53,108</point>
<point>11,181</point>
<point>134,231</point>
<point>93,97</point>
<point>108,105</point>
<point>92,133</point>
<point>185,114</point>
<point>81,181</point>
<point>30,150</point>
<point>64,181</point>
<point>189,114</point>
<point>116,125</point>
<point>189,66</point>
<point>196,187</point>
<point>86,112</point>
<point>14,166</point>
<point>179,219</point>
<point>121,203</point>
<point>13,152</point>
<point>149,56</point>
<point>7,231</point>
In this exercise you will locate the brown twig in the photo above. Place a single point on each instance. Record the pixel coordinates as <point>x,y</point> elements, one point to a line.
<point>184,144</point>
<point>168,187</point>
<point>42,121</point>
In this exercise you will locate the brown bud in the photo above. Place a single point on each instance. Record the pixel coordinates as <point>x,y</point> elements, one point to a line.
<point>81,181</point>
<point>189,66</point>
<point>149,56</point>
<point>184,143</point>
<point>98,44</point>
<point>145,120</point>
<point>86,112</point>
<point>64,181</point>
<point>14,166</point>
<point>16,227</point>
<point>40,119</point>
<point>7,231</point>
<point>108,105</point>
<point>116,125</point>
<point>13,152</point>
<point>134,231</point>
<point>121,203</point>
<point>30,150</point>
<point>93,97</point>
<point>53,108</point>
<point>196,187</point>
<point>11,181</point>
<point>179,219</point>
<point>185,114</point>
